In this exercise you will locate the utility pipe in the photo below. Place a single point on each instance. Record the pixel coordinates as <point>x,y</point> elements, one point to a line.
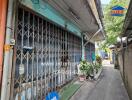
<point>5,79</point>
<point>3,10</point>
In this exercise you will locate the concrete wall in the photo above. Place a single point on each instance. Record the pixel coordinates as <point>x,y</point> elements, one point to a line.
<point>127,73</point>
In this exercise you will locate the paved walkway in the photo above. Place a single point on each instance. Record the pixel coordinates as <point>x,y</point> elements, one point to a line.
<point>108,87</point>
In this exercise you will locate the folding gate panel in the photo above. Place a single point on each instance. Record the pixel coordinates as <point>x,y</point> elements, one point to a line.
<point>45,58</point>
<point>90,50</point>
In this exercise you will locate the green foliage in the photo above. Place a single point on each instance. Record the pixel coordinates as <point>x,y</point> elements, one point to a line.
<point>90,69</point>
<point>86,67</point>
<point>97,66</point>
<point>113,25</point>
<point>99,60</point>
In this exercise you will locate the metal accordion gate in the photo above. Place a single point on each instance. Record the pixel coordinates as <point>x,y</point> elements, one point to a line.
<point>45,56</point>
<point>90,52</point>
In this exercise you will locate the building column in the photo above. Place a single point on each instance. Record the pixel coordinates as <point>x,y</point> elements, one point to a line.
<point>83,48</point>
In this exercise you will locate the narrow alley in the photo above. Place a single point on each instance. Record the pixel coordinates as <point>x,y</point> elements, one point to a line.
<point>108,87</point>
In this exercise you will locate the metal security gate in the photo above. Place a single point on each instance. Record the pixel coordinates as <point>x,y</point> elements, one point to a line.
<point>45,57</point>
<point>90,52</point>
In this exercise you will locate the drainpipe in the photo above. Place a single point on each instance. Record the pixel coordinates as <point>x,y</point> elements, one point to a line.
<point>6,66</point>
<point>3,10</point>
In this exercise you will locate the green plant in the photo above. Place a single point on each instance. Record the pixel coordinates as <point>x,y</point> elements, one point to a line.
<point>86,68</point>
<point>90,69</point>
<point>83,67</point>
<point>99,60</point>
<point>97,67</point>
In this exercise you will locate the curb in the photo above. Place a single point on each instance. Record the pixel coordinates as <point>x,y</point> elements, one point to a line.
<point>75,91</point>
<point>98,74</point>
<point>73,82</point>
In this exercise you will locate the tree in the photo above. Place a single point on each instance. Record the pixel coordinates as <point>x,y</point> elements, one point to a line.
<point>113,25</point>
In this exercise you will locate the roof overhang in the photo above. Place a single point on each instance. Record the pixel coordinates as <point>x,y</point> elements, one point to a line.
<point>83,13</point>
<point>127,27</point>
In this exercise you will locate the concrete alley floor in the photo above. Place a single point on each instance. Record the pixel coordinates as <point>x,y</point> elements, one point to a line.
<point>108,87</point>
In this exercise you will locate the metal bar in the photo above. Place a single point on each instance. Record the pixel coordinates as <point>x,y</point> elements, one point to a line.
<point>55,46</point>
<point>49,54</point>
<point>66,56</point>
<point>32,92</point>
<point>52,41</point>
<point>58,50</point>
<point>46,59</point>
<point>22,49</point>
<point>37,58</point>
<point>70,56</point>
<point>56,55</point>
<point>28,26</point>
<point>62,56</point>
<point>42,63</point>
<point>74,55</point>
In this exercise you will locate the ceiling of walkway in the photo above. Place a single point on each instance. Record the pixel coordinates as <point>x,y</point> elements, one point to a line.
<point>78,12</point>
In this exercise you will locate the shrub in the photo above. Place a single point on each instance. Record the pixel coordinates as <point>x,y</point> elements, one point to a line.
<point>86,68</point>
<point>97,66</point>
<point>99,60</point>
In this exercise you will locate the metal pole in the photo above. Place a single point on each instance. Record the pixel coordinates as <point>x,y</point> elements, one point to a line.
<point>6,66</point>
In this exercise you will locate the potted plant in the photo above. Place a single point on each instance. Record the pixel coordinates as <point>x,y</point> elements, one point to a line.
<point>99,60</point>
<point>83,68</point>
<point>90,71</point>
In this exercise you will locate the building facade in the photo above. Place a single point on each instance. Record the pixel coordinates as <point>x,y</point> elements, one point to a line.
<point>42,49</point>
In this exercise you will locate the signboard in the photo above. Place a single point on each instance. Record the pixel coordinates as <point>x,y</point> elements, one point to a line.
<point>52,96</point>
<point>117,11</point>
